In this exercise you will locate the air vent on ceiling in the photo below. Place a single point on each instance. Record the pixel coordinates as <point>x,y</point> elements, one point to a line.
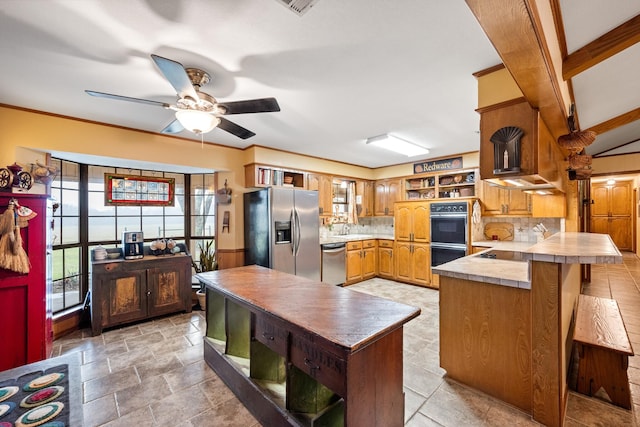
<point>300,7</point>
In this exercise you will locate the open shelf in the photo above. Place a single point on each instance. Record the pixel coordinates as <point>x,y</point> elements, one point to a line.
<point>268,176</point>
<point>237,346</point>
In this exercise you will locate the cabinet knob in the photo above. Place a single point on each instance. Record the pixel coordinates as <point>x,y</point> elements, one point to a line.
<point>148,293</point>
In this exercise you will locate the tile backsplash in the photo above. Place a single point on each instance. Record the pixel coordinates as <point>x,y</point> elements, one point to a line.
<point>367,225</point>
<point>523,227</point>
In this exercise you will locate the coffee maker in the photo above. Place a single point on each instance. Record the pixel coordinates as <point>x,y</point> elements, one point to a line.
<point>132,244</point>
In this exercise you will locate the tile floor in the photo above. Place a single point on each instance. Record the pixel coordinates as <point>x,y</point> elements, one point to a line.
<point>153,373</point>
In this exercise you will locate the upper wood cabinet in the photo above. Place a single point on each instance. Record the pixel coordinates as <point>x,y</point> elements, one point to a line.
<point>539,154</point>
<point>364,198</point>
<point>412,221</point>
<point>501,201</point>
<point>387,192</point>
<point>498,201</point>
<point>324,185</point>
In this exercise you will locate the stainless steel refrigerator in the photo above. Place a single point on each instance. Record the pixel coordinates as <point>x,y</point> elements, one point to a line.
<point>281,230</point>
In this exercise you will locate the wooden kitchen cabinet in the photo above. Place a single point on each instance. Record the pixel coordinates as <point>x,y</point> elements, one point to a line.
<point>361,261</point>
<point>26,299</point>
<point>611,212</point>
<point>413,263</point>
<point>364,198</point>
<point>412,221</point>
<point>369,264</point>
<point>385,259</point>
<point>386,193</point>
<point>412,234</point>
<point>498,201</point>
<point>128,291</point>
<point>324,185</point>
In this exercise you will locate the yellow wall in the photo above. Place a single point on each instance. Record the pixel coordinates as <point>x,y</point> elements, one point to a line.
<point>497,87</point>
<point>27,136</point>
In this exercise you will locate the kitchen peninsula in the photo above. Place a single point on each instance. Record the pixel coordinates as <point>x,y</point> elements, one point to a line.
<point>505,325</point>
<point>299,352</point>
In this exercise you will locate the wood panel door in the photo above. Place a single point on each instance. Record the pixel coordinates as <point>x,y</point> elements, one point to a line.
<point>385,262</point>
<point>611,212</point>
<point>364,195</point>
<point>354,266</point>
<point>369,263</point>
<point>421,265</point>
<point>324,185</point>
<point>165,289</point>
<point>403,221</point>
<point>420,222</point>
<point>124,297</point>
<point>403,261</point>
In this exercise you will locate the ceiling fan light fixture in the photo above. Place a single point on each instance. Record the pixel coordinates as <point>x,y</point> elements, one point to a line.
<point>395,144</point>
<point>197,121</point>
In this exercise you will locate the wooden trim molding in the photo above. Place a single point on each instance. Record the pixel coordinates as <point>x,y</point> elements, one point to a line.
<point>621,120</point>
<point>605,46</point>
<point>230,258</point>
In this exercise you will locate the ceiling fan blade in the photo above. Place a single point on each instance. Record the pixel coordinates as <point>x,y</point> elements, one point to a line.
<point>173,127</point>
<point>128,98</point>
<point>262,105</point>
<point>177,76</point>
<point>235,129</point>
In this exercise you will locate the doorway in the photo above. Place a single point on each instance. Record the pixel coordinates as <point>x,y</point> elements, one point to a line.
<point>612,210</point>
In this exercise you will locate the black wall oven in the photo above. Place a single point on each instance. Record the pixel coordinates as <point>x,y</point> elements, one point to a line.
<point>449,231</point>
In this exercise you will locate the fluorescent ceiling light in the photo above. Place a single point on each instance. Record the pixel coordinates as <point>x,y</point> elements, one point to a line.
<point>197,121</point>
<point>392,143</point>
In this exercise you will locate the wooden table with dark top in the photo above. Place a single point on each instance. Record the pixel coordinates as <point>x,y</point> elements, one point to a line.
<point>349,343</point>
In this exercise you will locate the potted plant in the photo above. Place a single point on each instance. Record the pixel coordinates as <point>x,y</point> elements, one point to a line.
<point>207,262</point>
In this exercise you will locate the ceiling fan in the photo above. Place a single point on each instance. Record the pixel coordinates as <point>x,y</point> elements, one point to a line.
<point>197,111</point>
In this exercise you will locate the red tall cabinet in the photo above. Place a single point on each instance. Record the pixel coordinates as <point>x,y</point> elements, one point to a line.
<point>26,330</point>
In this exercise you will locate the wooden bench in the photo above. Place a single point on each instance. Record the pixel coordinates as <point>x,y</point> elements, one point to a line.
<point>603,349</point>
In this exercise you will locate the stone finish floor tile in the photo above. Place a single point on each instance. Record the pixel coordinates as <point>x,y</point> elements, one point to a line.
<point>153,373</point>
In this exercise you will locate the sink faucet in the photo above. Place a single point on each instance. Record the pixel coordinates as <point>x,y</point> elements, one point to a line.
<point>345,228</point>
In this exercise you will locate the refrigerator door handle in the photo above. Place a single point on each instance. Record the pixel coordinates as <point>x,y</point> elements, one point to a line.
<point>292,221</point>
<point>297,232</point>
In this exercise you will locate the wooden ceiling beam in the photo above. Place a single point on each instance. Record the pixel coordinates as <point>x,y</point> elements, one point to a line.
<point>515,30</point>
<point>605,46</point>
<point>621,120</point>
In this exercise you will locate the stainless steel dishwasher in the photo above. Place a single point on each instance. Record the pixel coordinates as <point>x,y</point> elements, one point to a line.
<point>334,263</point>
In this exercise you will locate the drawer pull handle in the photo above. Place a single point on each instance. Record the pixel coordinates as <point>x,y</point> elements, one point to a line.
<point>310,365</point>
<point>267,336</point>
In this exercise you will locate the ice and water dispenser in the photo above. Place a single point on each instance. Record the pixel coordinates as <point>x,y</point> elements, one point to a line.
<point>283,232</point>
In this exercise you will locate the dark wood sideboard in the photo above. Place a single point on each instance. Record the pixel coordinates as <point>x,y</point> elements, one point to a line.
<point>124,291</point>
<point>298,352</point>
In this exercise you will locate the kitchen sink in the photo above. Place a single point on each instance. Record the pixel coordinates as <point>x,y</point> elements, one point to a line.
<point>504,255</point>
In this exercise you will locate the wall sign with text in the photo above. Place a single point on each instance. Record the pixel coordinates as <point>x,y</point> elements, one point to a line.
<point>438,165</point>
<point>136,190</point>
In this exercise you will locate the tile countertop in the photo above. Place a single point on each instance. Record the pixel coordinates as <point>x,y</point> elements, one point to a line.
<point>561,248</point>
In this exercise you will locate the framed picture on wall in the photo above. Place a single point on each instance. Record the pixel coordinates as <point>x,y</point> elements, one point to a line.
<point>136,190</point>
